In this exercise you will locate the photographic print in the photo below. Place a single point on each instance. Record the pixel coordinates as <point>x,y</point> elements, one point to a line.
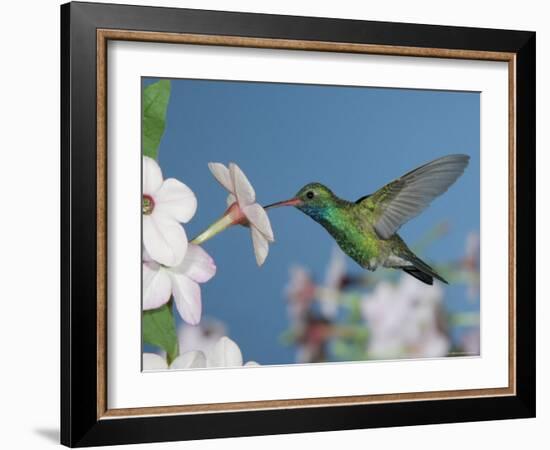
<point>298,223</point>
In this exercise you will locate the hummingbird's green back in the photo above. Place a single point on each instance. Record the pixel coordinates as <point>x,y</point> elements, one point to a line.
<point>349,224</point>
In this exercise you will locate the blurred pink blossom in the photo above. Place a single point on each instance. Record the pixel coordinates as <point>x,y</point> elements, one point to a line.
<point>201,337</point>
<point>313,335</point>
<point>471,342</point>
<point>335,276</point>
<point>405,320</point>
<point>470,263</point>
<point>300,291</point>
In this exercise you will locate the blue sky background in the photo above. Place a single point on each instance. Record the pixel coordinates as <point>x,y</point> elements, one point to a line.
<point>353,139</point>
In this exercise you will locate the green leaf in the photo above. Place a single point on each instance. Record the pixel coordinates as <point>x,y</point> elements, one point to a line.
<point>159,329</point>
<point>155,103</point>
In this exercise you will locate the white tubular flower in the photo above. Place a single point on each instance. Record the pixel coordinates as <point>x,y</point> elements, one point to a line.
<point>181,281</point>
<point>152,361</point>
<point>242,210</point>
<point>189,360</point>
<point>225,353</point>
<point>165,205</point>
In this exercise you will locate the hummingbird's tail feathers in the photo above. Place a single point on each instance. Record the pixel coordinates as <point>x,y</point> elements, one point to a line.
<point>422,271</point>
<point>419,275</point>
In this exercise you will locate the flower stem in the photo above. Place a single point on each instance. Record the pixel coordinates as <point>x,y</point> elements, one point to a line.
<point>217,227</point>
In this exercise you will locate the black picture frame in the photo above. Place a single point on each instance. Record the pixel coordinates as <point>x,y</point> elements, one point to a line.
<point>80,425</point>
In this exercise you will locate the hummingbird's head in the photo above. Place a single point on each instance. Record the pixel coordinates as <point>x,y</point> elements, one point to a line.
<point>314,196</point>
<point>313,199</point>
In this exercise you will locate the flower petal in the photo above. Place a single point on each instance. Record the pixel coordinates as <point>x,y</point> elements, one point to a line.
<point>152,176</point>
<point>230,200</point>
<point>189,360</point>
<point>329,305</point>
<point>164,239</point>
<point>221,173</point>
<point>176,200</point>
<point>197,264</point>
<point>257,216</point>
<point>145,256</point>
<point>243,189</point>
<point>226,353</point>
<point>187,296</point>
<point>157,286</point>
<point>261,247</point>
<point>152,361</point>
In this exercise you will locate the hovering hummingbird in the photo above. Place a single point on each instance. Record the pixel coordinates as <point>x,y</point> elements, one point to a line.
<point>366,230</point>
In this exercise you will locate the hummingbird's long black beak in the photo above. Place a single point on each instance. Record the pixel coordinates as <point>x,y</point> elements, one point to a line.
<point>292,202</point>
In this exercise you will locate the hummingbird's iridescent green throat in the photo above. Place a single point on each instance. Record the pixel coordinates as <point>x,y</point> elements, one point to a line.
<point>366,230</point>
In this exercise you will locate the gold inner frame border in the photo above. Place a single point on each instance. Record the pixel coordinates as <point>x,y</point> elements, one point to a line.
<point>105,35</point>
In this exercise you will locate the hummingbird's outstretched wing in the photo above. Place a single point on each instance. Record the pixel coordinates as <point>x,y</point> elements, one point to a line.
<point>406,197</point>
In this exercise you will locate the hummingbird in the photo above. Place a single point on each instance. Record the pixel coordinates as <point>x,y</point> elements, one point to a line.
<point>366,230</point>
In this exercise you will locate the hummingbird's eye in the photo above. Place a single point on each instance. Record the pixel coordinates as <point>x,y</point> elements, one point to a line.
<point>310,194</point>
